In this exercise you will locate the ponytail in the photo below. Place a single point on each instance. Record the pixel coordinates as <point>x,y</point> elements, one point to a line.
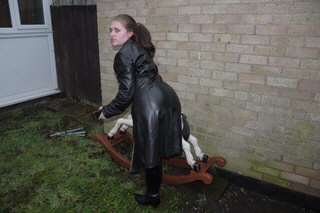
<point>141,34</point>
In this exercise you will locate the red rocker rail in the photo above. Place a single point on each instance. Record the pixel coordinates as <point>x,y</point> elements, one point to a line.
<point>202,175</point>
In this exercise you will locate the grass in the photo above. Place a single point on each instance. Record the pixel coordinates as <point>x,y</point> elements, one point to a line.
<point>64,174</point>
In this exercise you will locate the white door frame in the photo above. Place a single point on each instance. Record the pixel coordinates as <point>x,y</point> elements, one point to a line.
<point>19,31</point>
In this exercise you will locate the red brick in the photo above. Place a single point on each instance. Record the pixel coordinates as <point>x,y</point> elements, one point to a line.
<point>183,10</point>
<point>304,7</point>
<point>282,82</point>
<point>253,59</point>
<point>313,42</point>
<point>248,78</point>
<point>239,48</point>
<point>164,11</point>
<point>295,178</point>
<point>227,19</point>
<point>201,19</point>
<point>120,5</point>
<point>292,19</point>
<point>302,52</point>
<point>311,173</point>
<point>315,184</point>
<point>285,41</point>
<point>214,9</point>
<point>226,57</point>
<point>284,166</point>
<point>137,4</point>
<point>156,19</point>
<point>257,19</point>
<point>236,67</point>
<point>284,62</point>
<point>297,94</point>
<point>159,36</point>
<point>308,85</point>
<point>169,77</point>
<point>192,28</point>
<point>167,44</point>
<point>304,30</point>
<point>299,187</point>
<point>177,19</point>
<point>201,37</point>
<point>187,45</point>
<point>209,28</point>
<point>271,30</point>
<point>306,106</point>
<point>154,3</point>
<point>311,64</point>
<point>241,29</point>
<point>254,39</point>
<point>265,90</point>
<point>175,3</point>
<point>272,8</point>
<point>241,8</point>
<point>269,50</point>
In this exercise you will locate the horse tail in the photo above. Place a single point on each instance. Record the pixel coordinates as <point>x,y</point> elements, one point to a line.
<point>186,127</point>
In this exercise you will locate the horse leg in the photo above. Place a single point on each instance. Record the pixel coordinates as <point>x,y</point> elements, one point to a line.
<point>203,157</point>
<point>192,163</point>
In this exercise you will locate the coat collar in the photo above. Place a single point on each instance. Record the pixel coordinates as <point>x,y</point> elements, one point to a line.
<point>129,41</point>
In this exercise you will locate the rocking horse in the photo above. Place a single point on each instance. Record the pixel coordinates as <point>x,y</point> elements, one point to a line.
<point>119,134</point>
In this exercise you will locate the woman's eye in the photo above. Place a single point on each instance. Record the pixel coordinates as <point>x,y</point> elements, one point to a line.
<point>114,30</point>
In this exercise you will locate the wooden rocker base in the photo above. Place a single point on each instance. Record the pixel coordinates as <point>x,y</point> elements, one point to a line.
<point>202,175</point>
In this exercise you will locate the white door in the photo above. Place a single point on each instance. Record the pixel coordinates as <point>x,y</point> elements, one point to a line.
<point>27,63</point>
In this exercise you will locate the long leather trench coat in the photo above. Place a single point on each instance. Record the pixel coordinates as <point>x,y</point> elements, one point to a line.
<point>155,109</point>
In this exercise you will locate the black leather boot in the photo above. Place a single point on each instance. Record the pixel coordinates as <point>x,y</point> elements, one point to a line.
<point>146,199</point>
<point>153,182</point>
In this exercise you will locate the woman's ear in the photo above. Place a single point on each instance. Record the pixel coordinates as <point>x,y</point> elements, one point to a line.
<point>130,34</point>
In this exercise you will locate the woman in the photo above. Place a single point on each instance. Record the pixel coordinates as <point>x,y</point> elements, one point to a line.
<point>155,106</point>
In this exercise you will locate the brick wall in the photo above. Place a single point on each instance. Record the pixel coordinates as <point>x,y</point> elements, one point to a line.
<point>247,73</point>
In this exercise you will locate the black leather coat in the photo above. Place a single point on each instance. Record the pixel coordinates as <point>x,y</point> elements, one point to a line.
<point>155,107</point>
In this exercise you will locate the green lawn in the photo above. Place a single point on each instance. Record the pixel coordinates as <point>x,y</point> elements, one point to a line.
<point>65,174</point>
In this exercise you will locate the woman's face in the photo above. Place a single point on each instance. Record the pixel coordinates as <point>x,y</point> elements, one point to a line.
<point>119,34</point>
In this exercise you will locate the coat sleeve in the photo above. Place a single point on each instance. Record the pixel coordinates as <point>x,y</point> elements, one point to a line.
<point>125,76</point>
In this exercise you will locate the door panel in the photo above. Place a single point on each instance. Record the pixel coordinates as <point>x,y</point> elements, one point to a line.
<point>24,65</point>
<point>27,63</point>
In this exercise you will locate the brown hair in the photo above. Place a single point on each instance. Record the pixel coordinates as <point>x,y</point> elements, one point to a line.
<point>140,33</point>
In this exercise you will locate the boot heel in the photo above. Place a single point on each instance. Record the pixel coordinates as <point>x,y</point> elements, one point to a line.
<point>147,200</point>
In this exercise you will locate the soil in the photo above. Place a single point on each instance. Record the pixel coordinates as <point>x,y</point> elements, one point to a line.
<point>237,199</point>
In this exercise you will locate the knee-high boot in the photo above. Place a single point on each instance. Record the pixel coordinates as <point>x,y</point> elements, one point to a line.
<point>153,183</point>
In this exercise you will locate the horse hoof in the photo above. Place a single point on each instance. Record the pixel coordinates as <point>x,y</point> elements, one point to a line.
<point>110,137</point>
<point>205,159</point>
<point>122,131</point>
<point>196,167</point>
